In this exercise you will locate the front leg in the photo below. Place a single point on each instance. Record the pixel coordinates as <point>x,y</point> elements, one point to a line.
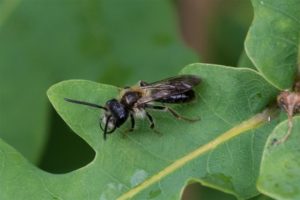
<point>132,122</point>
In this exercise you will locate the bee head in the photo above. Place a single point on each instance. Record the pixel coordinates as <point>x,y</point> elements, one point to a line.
<point>115,115</point>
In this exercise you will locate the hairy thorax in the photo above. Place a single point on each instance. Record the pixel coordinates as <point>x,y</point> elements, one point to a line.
<point>130,96</point>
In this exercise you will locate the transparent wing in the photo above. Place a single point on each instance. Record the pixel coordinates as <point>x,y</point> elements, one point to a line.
<point>168,87</point>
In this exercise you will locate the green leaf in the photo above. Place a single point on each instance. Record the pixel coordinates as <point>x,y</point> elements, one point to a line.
<point>245,62</point>
<point>280,168</point>
<point>107,40</point>
<point>195,191</point>
<point>261,197</point>
<point>222,151</point>
<point>272,43</point>
<point>227,28</point>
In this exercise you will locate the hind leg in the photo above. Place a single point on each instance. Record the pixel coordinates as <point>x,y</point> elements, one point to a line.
<point>173,112</point>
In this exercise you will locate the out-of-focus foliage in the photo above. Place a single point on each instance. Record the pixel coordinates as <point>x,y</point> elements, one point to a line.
<point>227,31</point>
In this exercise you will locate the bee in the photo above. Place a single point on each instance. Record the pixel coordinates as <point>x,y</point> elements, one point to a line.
<point>136,101</point>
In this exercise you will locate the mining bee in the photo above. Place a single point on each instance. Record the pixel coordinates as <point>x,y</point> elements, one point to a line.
<point>135,101</point>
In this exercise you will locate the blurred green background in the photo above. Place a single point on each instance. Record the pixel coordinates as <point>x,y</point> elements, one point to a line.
<point>115,42</point>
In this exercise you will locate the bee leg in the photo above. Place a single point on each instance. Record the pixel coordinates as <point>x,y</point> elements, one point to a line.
<point>173,112</point>
<point>152,125</point>
<point>143,83</point>
<point>131,128</point>
<point>132,121</point>
<point>178,116</point>
<point>150,118</point>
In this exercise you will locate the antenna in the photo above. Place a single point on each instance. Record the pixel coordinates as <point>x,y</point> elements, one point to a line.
<point>85,103</point>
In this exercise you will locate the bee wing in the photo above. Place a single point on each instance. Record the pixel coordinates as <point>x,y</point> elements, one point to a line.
<point>167,87</point>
